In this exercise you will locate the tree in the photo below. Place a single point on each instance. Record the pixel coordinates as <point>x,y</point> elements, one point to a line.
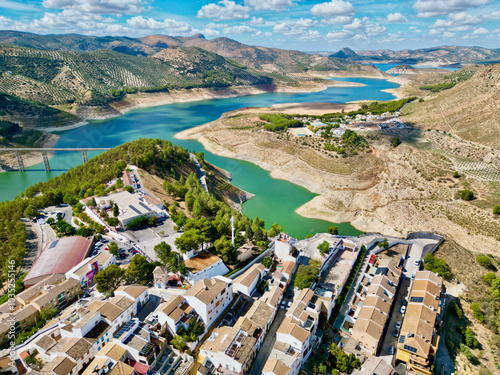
<point>113,249</point>
<point>496,210</point>
<point>138,223</point>
<point>129,188</point>
<point>323,247</point>
<point>163,251</point>
<point>484,261</point>
<point>456,174</point>
<point>109,279</point>
<point>466,195</point>
<point>152,221</point>
<point>48,313</point>
<point>306,276</point>
<point>179,343</point>
<point>395,142</point>
<point>333,230</point>
<point>477,312</point>
<point>267,262</point>
<point>189,240</point>
<point>437,265</point>
<point>70,199</point>
<point>31,212</point>
<point>274,230</point>
<point>50,221</point>
<point>225,248</point>
<point>113,221</point>
<point>177,265</point>
<point>84,232</point>
<point>136,270</point>
<point>383,244</point>
<point>119,183</point>
<point>116,210</point>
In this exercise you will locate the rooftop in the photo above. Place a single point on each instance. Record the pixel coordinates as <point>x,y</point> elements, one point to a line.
<point>59,256</point>
<point>201,261</point>
<point>82,268</point>
<point>276,366</point>
<point>60,366</point>
<point>206,290</point>
<point>73,347</point>
<point>250,275</point>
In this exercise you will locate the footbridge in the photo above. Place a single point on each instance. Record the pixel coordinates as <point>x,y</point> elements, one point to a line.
<point>44,151</point>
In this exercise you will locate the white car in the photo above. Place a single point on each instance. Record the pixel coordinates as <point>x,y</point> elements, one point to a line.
<point>417,263</point>
<point>398,324</point>
<point>283,304</point>
<point>403,309</point>
<point>289,304</point>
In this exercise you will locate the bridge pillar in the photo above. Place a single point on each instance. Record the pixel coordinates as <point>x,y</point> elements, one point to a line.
<point>20,162</point>
<point>46,164</point>
<point>85,157</point>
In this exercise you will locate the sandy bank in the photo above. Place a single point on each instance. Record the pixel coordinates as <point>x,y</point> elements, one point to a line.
<point>52,129</point>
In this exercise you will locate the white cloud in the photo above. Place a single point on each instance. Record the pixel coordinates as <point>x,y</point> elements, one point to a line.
<point>6,4</point>
<point>224,10</point>
<point>339,20</point>
<point>310,35</point>
<point>457,19</point>
<point>264,34</point>
<point>295,28</point>
<point>447,34</point>
<point>338,35</point>
<point>480,31</point>
<point>270,4</point>
<point>211,33</point>
<point>98,6</point>
<point>396,17</point>
<point>492,15</point>
<point>168,25</point>
<point>333,8</point>
<point>433,8</point>
<point>213,25</point>
<point>5,22</point>
<point>357,24</point>
<point>257,21</point>
<point>238,30</point>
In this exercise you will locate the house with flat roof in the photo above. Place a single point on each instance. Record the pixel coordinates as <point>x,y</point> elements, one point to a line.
<point>210,298</point>
<point>85,271</point>
<point>248,281</point>
<point>131,206</point>
<point>204,265</point>
<point>284,247</point>
<point>58,256</point>
<point>419,339</point>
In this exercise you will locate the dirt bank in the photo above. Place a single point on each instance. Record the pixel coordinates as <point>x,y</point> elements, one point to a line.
<point>388,190</point>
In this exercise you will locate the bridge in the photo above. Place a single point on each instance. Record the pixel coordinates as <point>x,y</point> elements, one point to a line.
<point>46,165</point>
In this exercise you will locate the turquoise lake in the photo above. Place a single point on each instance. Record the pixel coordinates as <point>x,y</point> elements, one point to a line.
<point>275,200</point>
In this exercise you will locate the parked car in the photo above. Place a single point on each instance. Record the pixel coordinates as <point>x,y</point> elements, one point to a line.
<point>417,263</point>
<point>283,304</point>
<point>398,324</point>
<point>413,277</point>
<point>391,350</point>
<point>403,309</point>
<point>396,333</point>
<point>289,304</point>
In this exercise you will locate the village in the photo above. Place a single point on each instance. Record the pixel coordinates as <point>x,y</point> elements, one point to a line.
<point>279,312</point>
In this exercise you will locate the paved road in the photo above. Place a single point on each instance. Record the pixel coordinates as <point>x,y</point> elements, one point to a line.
<point>200,172</point>
<point>268,344</point>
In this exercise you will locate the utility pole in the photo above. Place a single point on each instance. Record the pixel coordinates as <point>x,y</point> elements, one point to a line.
<point>232,230</point>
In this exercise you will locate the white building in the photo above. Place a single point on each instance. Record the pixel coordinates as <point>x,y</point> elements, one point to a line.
<point>204,265</point>
<point>248,281</point>
<point>85,271</point>
<point>175,313</point>
<point>131,206</point>
<point>210,298</point>
<point>283,247</point>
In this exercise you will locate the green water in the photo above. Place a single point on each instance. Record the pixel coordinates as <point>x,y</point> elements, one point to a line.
<point>274,201</point>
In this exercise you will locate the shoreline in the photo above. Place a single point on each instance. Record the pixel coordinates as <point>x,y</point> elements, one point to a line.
<point>137,101</point>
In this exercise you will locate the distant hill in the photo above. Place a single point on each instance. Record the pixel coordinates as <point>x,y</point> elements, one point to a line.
<point>402,69</point>
<point>95,78</point>
<point>441,55</point>
<point>470,109</point>
<point>268,59</point>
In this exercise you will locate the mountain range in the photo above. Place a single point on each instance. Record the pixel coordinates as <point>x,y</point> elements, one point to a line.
<point>444,55</point>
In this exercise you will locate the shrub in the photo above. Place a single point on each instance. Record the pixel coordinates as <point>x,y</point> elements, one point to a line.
<point>323,247</point>
<point>496,210</point>
<point>477,312</point>
<point>437,265</point>
<point>267,262</point>
<point>484,261</point>
<point>466,195</point>
<point>395,142</point>
<point>456,174</point>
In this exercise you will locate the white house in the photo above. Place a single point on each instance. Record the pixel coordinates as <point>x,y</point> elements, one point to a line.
<point>131,206</point>
<point>204,265</point>
<point>283,247</point>
<point>248,281</point>
<point>85,271</point>
<point>175,313</point>
<point>210,298</point>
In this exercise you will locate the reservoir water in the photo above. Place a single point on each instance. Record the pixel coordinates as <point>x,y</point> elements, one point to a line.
<point>274,201</point>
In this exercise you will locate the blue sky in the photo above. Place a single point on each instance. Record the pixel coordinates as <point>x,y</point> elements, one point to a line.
<point>290,24</point>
